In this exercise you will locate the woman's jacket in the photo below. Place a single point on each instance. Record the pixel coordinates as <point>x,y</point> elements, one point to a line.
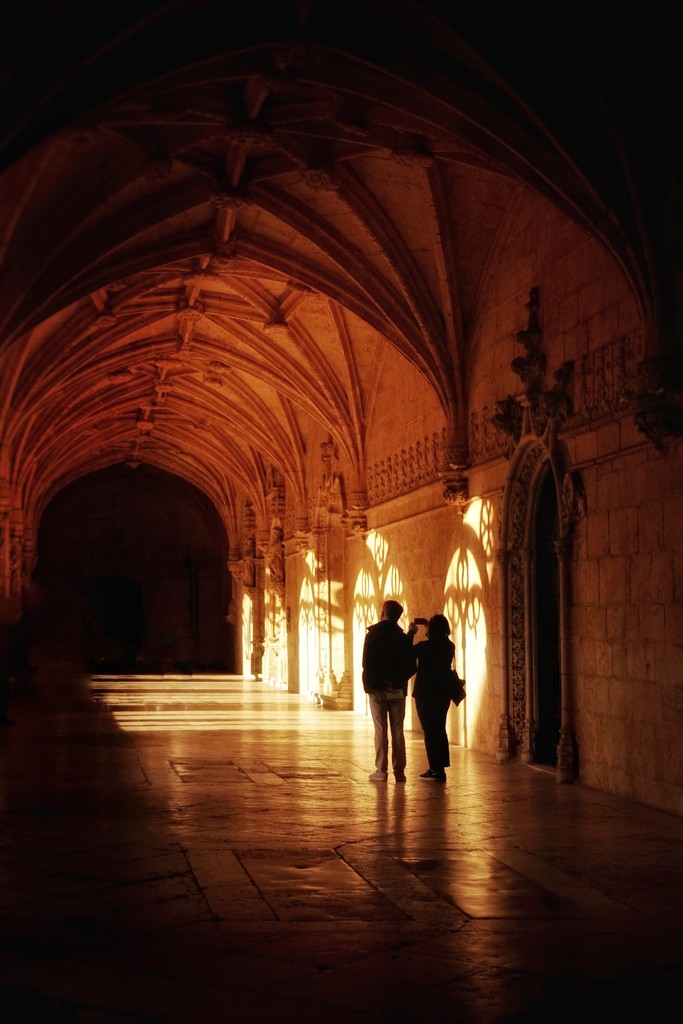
<point>434,658</point>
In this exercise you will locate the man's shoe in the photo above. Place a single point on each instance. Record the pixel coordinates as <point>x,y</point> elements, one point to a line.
<point>400,778</point>
<point>429,774</point>
<point>378,777</point>
<point>439,776</point>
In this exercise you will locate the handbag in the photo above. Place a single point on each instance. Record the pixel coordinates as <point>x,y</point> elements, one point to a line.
<point>456,687</point>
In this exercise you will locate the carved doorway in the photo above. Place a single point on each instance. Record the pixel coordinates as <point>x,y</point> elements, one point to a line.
<point>541,503</point>
<point>547,696</point>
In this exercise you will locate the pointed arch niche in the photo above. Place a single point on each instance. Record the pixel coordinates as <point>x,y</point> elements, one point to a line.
<point>541,503</point>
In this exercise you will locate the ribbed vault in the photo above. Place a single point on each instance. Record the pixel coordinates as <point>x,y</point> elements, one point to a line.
<point>202,259</point>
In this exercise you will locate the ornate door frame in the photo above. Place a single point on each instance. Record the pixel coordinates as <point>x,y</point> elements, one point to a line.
<point>531,460</point>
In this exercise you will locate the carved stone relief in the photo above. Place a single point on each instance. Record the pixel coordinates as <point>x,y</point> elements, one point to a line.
<point>603,385</point>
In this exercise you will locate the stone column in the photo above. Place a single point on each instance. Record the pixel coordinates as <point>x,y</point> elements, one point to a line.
<point>506,743</point>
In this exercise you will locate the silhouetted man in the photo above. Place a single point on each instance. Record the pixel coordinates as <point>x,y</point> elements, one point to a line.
<point>388,664</point>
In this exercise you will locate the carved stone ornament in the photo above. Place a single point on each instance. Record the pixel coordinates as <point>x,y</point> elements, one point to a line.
<point>225,255</point>
<point>297,54</point>
<point>302,542</point>
<point>357,513</point>
<point>189,315</point>
<point>248,134</point>
<point>404,471</point>
<point>660,403</point>
<point>226,199</point>
<point>358,523</point>
<point>120,376</point>
<point>320,179</point>
<point>531,368</point>
<point>555,406</point>
<point>508,419</point>
<point>572,500</point>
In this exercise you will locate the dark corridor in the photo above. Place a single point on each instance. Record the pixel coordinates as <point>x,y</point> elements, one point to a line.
<point>114,624</point>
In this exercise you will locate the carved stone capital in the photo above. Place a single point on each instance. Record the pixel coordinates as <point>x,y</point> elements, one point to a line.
<point>358,523</point>
<point>357,513</point>
<point>358,500</point>
<point>234,566</point>
<point>456,491</point>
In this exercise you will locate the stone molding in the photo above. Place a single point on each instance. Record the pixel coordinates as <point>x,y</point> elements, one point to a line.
<point>408,469</point>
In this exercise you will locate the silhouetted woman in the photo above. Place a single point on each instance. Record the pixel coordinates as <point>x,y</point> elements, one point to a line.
<point>434,657</point>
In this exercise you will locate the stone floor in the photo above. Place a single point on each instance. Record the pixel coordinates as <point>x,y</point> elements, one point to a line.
<point>211,850</point>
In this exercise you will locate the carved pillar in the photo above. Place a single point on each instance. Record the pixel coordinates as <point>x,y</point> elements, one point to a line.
<point>259,608</point>
<point>567,749</point>
<point>321,587</point>
<point>233,610</point>
<point>275,631</point>
<point>506,741</point>
<point>247,576</point>
<point>529,730</point>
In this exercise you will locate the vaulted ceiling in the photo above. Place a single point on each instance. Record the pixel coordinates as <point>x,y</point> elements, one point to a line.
<point>214,222</point>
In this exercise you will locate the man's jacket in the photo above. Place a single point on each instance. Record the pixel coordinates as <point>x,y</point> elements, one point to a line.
<point>388,660</point>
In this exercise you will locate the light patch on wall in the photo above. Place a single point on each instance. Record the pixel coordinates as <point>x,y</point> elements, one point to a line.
<point>463,607</point>
<point>480,517</point>
<point>378,549</point>
<point>247,634</point>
